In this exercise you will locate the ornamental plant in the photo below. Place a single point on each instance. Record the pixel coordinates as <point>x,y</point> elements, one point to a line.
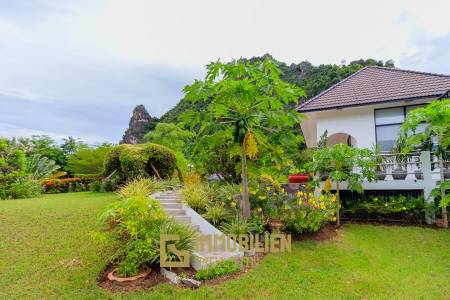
<point>249,112</point>
<point>344,164</point>
<point>302,212</point>
<point>135,225</point>
<point>308,212</point>
<point>421,128</point>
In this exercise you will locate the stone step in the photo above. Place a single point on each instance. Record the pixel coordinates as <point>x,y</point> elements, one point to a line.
<point>169,201</point>
<point>167,198</point>
<point>183,219</point>
<point>175,212</point>
<point>166,205</point>
<point>173,206</point>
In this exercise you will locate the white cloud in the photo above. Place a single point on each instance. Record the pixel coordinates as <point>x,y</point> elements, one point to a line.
<point>195,32</point>
<point>86,54</point>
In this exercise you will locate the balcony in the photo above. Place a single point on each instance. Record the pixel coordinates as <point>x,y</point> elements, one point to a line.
<point>413,171</point>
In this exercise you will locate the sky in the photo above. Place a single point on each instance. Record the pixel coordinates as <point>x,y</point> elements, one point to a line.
<point>78,68</point>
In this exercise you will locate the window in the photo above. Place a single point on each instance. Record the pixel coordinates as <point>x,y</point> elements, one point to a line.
<point>387,123</point>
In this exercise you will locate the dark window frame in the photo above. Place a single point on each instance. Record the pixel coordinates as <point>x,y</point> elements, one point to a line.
<point>395,123</point>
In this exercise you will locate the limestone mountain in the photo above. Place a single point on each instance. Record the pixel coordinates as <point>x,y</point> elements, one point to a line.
<point>140,123</point>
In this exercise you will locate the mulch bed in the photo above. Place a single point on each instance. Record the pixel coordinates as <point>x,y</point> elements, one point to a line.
<point>327,232</point>
<point>154,278</point>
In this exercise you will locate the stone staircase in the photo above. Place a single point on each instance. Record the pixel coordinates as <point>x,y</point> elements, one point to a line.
<point>173,206</point>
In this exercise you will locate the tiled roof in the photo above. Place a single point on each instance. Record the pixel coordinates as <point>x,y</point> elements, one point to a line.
<point>377,85</point>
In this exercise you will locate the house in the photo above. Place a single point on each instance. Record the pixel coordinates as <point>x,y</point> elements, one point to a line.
<point>367,109</point>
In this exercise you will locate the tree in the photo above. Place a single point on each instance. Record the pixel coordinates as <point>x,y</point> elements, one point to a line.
<point>422,127</point>
<point>313,79</point>
<point>88,160</point>
<point>250,107</point>
<point>12,168</point>
<point>340,162</point>
<point>39,167</point>
<point>169,135</point>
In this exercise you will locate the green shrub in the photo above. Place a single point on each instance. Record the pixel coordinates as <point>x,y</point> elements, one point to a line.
<point>133,222</point>
<point>185,232</point>
<point>145,186</point>
<point>216,214</point>
<point>145,160</point>
<point>136,187</point>
<point>136,223</point>
<point>220,268</point>
<point>95,186</point>
<point>239,225</point>
<point>195,197</point>
<point>24,188</point>
<point>108,185</point>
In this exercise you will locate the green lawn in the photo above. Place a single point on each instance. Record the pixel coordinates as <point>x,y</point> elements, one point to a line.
<point>46,253</point>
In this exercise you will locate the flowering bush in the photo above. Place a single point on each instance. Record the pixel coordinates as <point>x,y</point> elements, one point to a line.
<point>300,213</point>
<point>309,212</point>
<point>54,186</point>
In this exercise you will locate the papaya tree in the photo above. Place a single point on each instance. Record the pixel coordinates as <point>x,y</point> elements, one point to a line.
<point>425,126</point>
<point>343,163</point>
<point>249,111</point>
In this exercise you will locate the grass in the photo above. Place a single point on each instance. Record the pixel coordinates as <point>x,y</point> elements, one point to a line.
<point>46,253</point>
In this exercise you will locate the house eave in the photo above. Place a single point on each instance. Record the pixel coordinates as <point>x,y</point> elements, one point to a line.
<point>438,96</point>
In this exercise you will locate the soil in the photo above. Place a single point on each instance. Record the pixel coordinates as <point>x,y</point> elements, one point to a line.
<point>327,232</point>
<point>151,280</point>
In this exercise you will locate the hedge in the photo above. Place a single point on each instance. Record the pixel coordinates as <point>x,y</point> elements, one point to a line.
<point>144,160</point>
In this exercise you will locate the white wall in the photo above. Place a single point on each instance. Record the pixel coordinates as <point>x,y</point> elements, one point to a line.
<point>359,122</point>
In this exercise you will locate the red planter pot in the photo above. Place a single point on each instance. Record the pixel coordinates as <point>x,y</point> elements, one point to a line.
<point>298,178</point>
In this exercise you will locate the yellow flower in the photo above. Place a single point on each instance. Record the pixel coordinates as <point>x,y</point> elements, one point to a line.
<point>286,208</point>
<point>327,185</point>
<point>262,197</point>
<point>233,204</point>
<point>268,188</point>
<point>299,202</point>
<point>299,194</point>
<point>252,192</point>
<point>321,198</point>
<point>259,209</point>
<point>386,204</point>
<point>333,219</point>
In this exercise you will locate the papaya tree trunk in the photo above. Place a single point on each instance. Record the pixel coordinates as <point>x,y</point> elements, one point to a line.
<point>338,208</point>
<point>245,203</point>
<point>444,208</point>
